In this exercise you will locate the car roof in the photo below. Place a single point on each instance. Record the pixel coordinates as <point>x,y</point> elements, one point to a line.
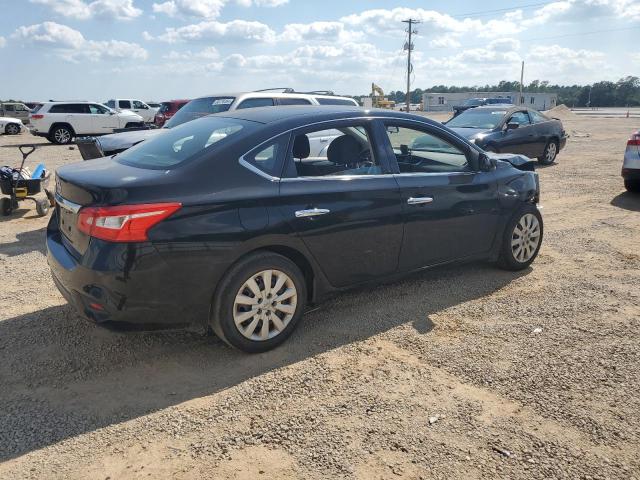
<point>243,95</point>
<point>299,114</point>
<point>506,106</point>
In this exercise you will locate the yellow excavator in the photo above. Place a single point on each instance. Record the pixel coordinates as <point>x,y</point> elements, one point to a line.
<point>378,99</point>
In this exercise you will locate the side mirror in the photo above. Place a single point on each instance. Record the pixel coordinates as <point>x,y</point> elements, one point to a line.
<point>486,164</point>
<point>391,129</point>
<point>512,125</point>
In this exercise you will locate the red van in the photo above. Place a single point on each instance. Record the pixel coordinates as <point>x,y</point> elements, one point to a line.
<point>168,110</point>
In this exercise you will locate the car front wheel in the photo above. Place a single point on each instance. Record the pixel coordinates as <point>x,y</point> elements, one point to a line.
<point>259,302</point>
<point>632,186</point>
<point>12,129</point>
<point>522,239</point>
<point>549,154</point>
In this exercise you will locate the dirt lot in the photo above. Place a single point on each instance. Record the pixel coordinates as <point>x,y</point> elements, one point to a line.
<point>464,372</point>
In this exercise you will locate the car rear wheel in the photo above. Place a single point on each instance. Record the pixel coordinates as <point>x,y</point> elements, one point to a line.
<point>632,186</point>
<point>12,129</point>
<point>522,239</point>
<point>259,302</point>
<point>549,154</point>
<point>61,135</point>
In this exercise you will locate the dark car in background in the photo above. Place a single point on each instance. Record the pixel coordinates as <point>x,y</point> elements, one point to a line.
<point>168,110</point>
<point>479,102</point>
<point>227,222</point>
<point>504,129</point>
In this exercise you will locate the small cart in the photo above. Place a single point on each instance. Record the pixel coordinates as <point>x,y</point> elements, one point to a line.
<point>18,188</point>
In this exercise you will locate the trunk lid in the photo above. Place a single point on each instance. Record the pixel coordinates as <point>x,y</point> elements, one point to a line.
<point>100,182</point>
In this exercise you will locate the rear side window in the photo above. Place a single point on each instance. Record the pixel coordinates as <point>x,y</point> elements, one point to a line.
<point>69,108</point>
<point>268,158</point>
<point>10,108</point>
<point>184,142</point>
<point>124,104</point>
<point>537,117</point>
<point>335,101</point>
<point>199,108</point>
<point>293,101</point>
<point>256,102</point>
<point>36,108</point>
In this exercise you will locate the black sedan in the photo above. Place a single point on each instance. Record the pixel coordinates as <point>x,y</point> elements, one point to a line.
<point>512,130</point>
<point>227,222</point>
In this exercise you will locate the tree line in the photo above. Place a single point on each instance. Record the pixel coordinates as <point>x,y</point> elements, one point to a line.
<point>625,92</point>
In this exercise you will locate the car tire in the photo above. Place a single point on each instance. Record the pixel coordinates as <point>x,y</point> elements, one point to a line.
<point>12,129</point>
<point>632,186</point>
<point>245,313</point>
<point>522,239</point>
<point>550,153</point>
<point>61,135</point>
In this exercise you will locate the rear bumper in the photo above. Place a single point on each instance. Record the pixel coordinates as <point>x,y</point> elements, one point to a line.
<point>631,173</point>
<point>121,283</point>
<point>563,142</point>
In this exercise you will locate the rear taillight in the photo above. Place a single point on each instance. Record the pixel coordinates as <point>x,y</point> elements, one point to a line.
<point>123,223</point>
<point>634,140</point>
<point>36,117</point>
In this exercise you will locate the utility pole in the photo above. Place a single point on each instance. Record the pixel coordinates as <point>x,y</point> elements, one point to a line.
<point>521,80</point>
<point>409,47</point>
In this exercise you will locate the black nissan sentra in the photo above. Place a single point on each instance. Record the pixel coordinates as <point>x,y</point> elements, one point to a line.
<point>227,222</point>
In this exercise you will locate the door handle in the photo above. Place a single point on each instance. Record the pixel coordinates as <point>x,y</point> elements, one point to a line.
<point>419,200</point>
<point>311,212</point>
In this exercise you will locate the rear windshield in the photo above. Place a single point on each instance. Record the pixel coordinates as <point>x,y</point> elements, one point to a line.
<point>472,102</point>
<point>495,101</point>
<point>198,108</point>
<point>36,108</point>
<point>477,118</point>
<point>174,147</point>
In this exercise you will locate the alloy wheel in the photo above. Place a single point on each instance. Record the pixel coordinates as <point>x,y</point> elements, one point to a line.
<point>525,238</point>
<point>552,149</point>
<point>13,129</point>
<point>62,135</point>
<point>264,305</point>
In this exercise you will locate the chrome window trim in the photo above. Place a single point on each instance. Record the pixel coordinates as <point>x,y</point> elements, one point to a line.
<point>266,176</point>
<point>67,204</point>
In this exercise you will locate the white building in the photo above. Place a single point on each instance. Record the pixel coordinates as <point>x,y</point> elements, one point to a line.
<point>444,102</point>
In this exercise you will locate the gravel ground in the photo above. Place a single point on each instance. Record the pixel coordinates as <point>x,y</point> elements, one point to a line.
<point>463,372</point>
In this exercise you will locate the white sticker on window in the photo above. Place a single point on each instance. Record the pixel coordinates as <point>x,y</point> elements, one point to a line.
<point>222,101</point>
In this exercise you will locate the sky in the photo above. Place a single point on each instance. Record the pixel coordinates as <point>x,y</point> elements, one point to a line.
<point>164,49</point>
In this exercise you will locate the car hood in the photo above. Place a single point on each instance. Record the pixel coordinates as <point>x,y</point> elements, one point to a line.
<point>469,133</point>
<point>124,140</point>
<point>128,114</point>
<point>10,120</point>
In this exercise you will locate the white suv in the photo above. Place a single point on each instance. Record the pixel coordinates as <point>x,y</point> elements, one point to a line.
<point>137,106</point>
<point>60,122</point>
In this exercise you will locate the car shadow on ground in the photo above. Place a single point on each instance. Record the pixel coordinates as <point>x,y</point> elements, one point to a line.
<point>63,376</point>
<point>628,201</point>
<point>26,242</point>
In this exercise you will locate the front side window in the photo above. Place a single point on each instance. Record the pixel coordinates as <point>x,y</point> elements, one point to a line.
<point>98,109</point>
<point>199,108</point>
<point>111,104</point>
<point>521,118</point>
<point>124,104</point>
<point>419,151</point>
<point>139,105</point>
<point>334,152</point>
<point>182,143</point>
<point>256,102</point>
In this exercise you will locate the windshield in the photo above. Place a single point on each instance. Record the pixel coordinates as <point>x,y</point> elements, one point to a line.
<point>198,108</point>
<point>181,143</point>
<point>484,118</point>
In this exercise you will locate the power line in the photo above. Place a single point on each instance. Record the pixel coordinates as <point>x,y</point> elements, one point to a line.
<point>499,10</point>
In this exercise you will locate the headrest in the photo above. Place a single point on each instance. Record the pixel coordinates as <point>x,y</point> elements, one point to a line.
<point>344,150</point>
<point>301,147</point>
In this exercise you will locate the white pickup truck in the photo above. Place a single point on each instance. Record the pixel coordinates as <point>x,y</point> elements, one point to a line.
<point>136,106</point>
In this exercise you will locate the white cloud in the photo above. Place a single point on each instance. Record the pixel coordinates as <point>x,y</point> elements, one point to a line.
<point>3,42</point>
<point>71,45</point>
<point>208,53</point>
<point>208,9</point>
<point>319,31</point>
<point>236,30</point>
<point>83,10</point>
<point>567,58</point>
<point>444,41</point>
